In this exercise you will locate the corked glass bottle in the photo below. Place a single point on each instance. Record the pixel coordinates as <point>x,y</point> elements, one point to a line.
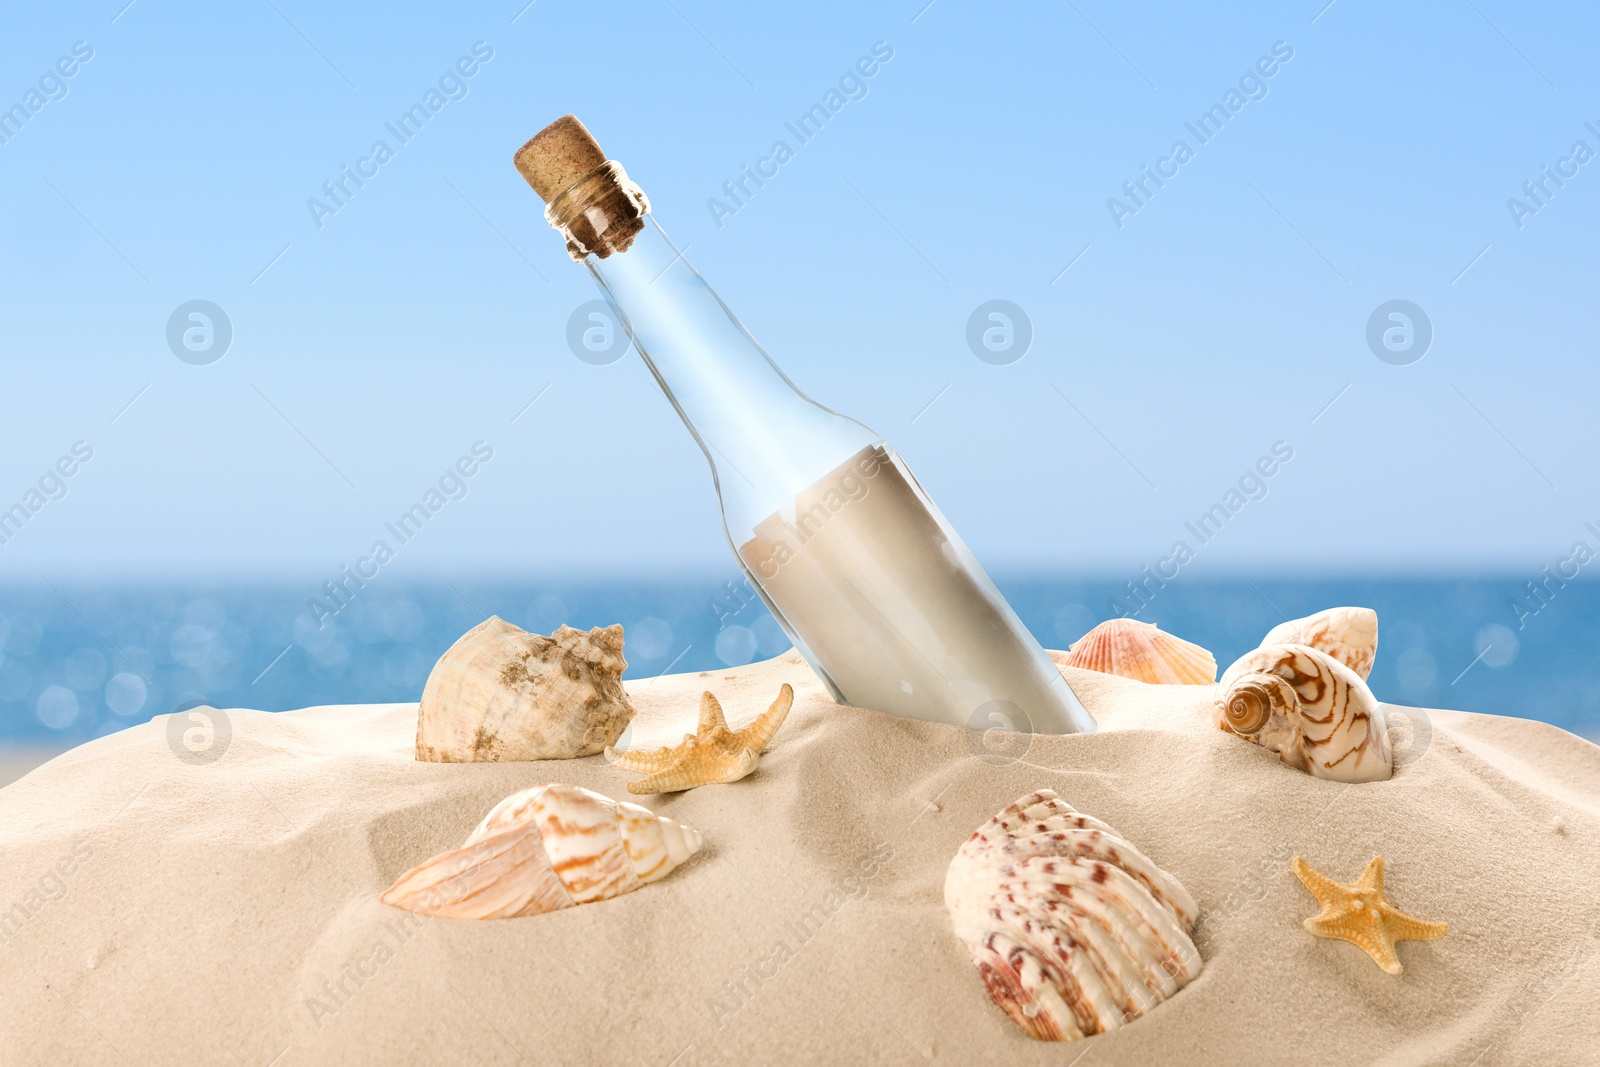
<point>855,562</point>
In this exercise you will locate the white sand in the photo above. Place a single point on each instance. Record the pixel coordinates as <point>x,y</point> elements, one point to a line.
<point>209,910</point>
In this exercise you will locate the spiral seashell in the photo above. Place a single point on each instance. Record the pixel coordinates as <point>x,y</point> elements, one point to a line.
<point>1250,701</point>
<point>502,693</point>
<point>1313,711</point>
<point>543,849</point>
<point>1143,652</point>
<point>1349,635</point>
<point>1074,931</point>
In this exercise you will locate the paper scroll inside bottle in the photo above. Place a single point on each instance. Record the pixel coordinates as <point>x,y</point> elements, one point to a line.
<point>895,610</point>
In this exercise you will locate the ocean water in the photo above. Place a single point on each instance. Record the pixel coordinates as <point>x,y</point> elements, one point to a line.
<point>78,662</point>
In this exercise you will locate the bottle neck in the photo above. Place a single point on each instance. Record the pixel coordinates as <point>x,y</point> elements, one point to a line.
<point>765,440</point>
<point>600,214</point>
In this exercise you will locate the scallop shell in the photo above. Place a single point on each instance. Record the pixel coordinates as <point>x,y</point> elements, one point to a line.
<point>543,849</point>
<point>1143,652</point>
<point>1349,635</point>
<point>1074,930</point>
<point>1317,714</point>
<point>502,693</point>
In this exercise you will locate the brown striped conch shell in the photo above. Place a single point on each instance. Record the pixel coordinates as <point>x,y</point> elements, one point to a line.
<point>1074,931</point>
<point>502,693</point>
<point>1313,711</point>
<point>543,849</point>
<point>1349,635</point>
<point>1143,652</point>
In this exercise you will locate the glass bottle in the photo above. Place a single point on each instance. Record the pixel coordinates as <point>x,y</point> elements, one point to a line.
<point>856,563</point>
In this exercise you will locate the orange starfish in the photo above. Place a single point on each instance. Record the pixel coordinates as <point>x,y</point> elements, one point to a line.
<point>712,754</point>
<point>1362,916</point>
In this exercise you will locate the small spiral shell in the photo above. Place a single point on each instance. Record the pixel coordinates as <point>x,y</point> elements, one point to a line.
<point>1248,705</point>
<point>1312,710</point>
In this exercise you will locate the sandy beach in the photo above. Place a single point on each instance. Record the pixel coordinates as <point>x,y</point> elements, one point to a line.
<point>164,912</point>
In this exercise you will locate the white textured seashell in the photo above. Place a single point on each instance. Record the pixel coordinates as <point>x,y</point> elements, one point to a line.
<point>543,849</point>
<point>1349,635</point>
<point>1074,930</point>
<point>502,693</point>
<point>1143,652</point>
<point>1316,713</point>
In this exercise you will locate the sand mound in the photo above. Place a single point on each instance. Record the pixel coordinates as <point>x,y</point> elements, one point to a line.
<point>162,911</point>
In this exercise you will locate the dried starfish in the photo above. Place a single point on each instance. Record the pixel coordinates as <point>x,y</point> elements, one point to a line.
<point>1361,915</point>
<point>712,754</point>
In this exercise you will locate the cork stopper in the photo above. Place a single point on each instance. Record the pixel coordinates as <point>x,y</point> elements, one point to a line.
<point>588,198</point>
<point>558,156</point>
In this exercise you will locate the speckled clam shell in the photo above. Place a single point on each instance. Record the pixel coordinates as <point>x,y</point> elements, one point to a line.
<point>502,693</point>
<point>1349,635</point>
<point>543,849</point>
<point>1074,931</point>
<point>1143,652</point>
<point>1316,713</point>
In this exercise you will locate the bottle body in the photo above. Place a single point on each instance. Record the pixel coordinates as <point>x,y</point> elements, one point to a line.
<point>857,564</point>
<point>895,612</point>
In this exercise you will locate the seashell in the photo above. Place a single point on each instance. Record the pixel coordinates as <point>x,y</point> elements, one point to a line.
<point>1143,652</point>
<point>502,693</point>
<point>1313,711</point>
<point>1349,635</point>
<point>543,849</point>
<point>1074,930</point>
<point>712,755</point>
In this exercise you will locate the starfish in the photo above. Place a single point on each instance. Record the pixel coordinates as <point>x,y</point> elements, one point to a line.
<point>1361,915</point>
<point>712,754</point>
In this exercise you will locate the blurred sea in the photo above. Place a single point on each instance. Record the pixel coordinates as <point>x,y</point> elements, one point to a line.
<point>78,662</point>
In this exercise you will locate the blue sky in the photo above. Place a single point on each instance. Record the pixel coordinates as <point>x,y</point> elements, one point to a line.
<point>1169,354</point>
